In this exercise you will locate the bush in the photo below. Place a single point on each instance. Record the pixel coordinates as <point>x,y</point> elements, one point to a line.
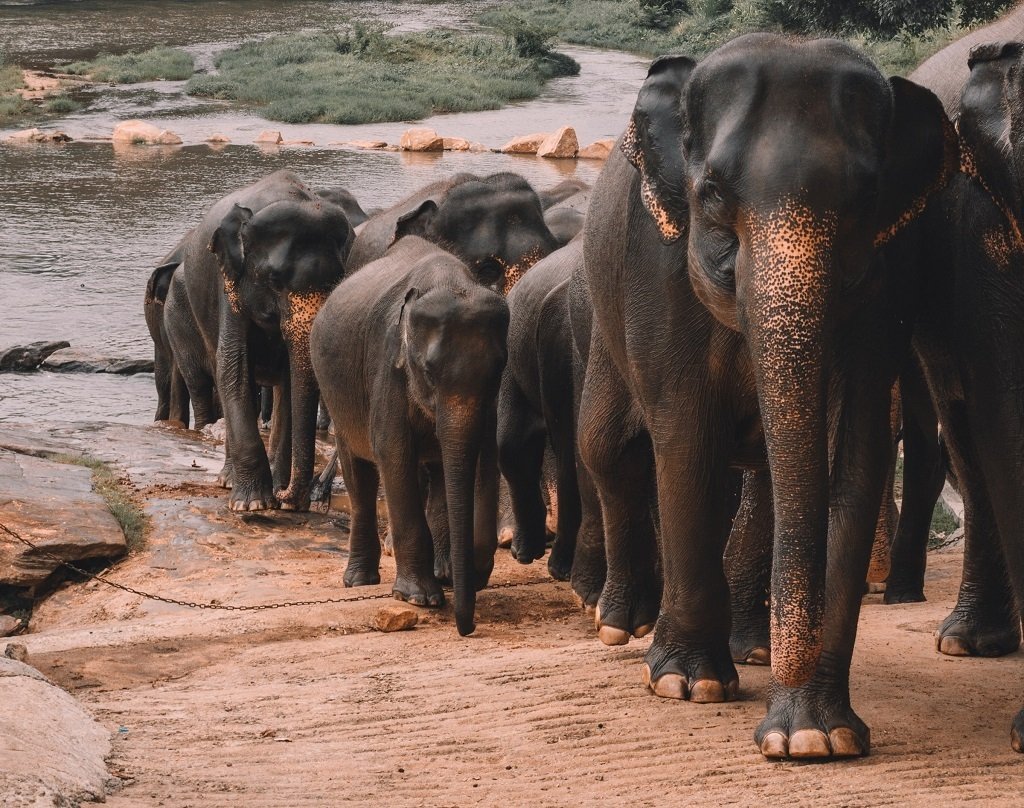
<point>169,64</point>
<point>61,105</point>
<point>363,75</point>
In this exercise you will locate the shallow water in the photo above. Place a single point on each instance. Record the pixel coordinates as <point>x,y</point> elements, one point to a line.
<point>81,225</point>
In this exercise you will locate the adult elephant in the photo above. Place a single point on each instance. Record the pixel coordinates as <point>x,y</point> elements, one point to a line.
<point>732,256</point>
<point>254,274</point>
<point>970,341</point>
<point>409,352</point>
<point>495,225</point>
<point>171,390</point>
<point>565,219</point>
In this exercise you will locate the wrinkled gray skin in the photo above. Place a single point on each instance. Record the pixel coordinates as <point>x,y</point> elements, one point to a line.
<point>565,219</point>
<point>740,307</point>
<point>172,393</point>
<point>970,340</point>
<point>345,200</point>
<point>495,225</point>
<point>557,194</point>
<point>254,273</point>
<point>415,387</point>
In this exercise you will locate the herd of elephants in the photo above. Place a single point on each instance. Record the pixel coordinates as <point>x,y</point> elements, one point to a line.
<point>788,263</point>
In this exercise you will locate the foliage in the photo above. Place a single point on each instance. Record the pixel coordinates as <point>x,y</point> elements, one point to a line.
<point>170,64</point>
<point>361,74</point>
<point>61,105</point>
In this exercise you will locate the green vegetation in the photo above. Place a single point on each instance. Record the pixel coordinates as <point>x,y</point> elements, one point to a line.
<point>360,74</point>
<point>165,63</point>
<point>118,495</point>
<point>61,105</point>
<point>942,526</point>
<point>897,34</point>
<point>12,105</point>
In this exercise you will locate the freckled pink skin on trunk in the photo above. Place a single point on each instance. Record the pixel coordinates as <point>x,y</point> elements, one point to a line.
<point>786,305</point>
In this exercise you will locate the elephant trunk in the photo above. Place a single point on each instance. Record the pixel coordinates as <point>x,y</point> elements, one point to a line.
<point>460,431</point>
<point>305,395</point>
<point>784,303</point>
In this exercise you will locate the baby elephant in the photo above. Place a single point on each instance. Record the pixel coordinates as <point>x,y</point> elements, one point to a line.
<point>409,352</point>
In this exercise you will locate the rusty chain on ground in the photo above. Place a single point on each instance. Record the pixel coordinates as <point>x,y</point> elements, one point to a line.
<point>228,607</point>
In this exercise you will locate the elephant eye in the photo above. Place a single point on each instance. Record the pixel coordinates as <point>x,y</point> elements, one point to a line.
<point>489,271</point>
<point>711,195</point>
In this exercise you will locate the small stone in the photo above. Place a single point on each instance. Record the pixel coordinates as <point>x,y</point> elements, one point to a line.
<point>456,144</point>
<point>298,143</point>
<point>16,651</point>
<point>218,138</point>
<point>524,144</point>
<point>561,143</point>
<point>598,150</point>
<point>395,618</point>
<point>26,136</point>
<point>143,133</point>
<point>371,145</point>
<point>269,137</point>
<point>421,140</point>
<point>8,625</point>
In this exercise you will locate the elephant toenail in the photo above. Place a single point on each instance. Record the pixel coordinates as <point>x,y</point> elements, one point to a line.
<point>809,743</point>
<point>845,743</point>
<point>670,686</point>
<point>774,746</point>
<point>644,630</point>
<point>707,691</point>
<point>609,635</point>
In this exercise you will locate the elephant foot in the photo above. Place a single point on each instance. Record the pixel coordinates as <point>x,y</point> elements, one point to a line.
<point>811,722</point>
<point>750,648</point>
<point>357,574</point>
<point>389,544</point>
<point>293,499</point>
<point>618,617</point>
<point>560,561</point>
<point>443,567</point>
<point>588,574</point>
<point>902,592</point>
<point>527,549</point>
<point>255,497</point>
<point>505,536</point>
<point>697,671</point>
<point>419,591</point>
<point>226,478</point>
<point>968,632</point>
<point>1017,732</point>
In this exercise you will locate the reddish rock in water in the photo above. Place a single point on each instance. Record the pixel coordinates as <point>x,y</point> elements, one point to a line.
<point>598,150</point>
<point>143,133</point>
<point>524,144</point>
<point>421,140</point>
<point>562,143</point>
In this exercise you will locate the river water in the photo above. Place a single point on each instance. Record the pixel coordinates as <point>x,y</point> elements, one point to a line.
<point>82,224</point>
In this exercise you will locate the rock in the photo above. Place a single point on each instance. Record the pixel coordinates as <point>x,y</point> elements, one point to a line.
<point>74,362</point>
<point>52,505</point>
<point>54,752</point>
<point>561,143</point>
<point>218,138</point>
<point>9,625</point>
<point>478,148</point>
<point>16,651</point>
<point>524,144</point>
<point>361,144</point>
<point>129,367</point>
<point>39,136</point>
<point>598,150</point>
<point>457,144</point>
<point>217,431</point>
<point>29,357</point>
<point>421,140</point>
<point>142,133</point>
<point>269,137</point>
<point>298,143</point>
<point>395,618</point>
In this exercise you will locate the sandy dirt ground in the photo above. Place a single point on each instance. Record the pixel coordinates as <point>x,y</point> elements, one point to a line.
<point>308,706</point>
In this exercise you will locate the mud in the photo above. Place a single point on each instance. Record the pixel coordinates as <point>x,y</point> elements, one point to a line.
<point>310,706</point>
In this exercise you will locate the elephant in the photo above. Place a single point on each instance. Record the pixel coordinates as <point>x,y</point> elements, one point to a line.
<point>969,340</point>
<point>745,313</point>
<point>172,393</point>
<point>409,352</point>
<point>254,273</point>
<point>536,408</point>
<point>495,225</point>
<point>565,220</point>
<point>345,200</point>
<point>563,191</point>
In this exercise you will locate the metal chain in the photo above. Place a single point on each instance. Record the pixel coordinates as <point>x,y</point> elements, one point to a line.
<point>227,607</point>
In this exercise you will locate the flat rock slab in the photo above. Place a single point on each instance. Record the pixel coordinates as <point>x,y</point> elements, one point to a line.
<point>29,357</point>
<point>53,505</point>
<point>52,751</point>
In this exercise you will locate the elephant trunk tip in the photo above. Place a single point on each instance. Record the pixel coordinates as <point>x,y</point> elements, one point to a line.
<point>464,620</point>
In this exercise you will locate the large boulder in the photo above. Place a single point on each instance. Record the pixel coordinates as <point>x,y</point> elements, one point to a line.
<point>52,752</point>
<point>561,143</point>
<point>52,505</point>
<point>598,150</point>
<point>36,135</point>
<point>269,137</point>
<point>421,140</point>
<point>69,361</point>
<point>142,133</point>
<point>524,144</point>
<point>457,144</point>
<point>29,357</point>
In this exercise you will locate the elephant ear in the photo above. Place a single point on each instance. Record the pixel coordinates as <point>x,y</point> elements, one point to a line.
<point>653,144</point>
<point>226,242</point>
<point>416,222</point>
<point>160,281</point>
<point>991,126</point>
<point>922,155</point>
<point>399,334</point>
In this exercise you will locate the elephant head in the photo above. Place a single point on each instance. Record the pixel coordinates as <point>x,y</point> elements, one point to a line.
<point>452,345</point>
<point>784,196</point>
<point>279,263</point>
<point>991,126</point>
<point>495,225</point>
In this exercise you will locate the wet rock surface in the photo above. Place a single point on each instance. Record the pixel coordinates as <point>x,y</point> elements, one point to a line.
<point>560,143</point>
<point>67,361</point>
<point>29,357</point>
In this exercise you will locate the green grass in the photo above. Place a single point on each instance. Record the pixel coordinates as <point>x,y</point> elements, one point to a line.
<point>118,495</point>
<point>362,75</point>
<point>61,105</point>
<point>641,28</point>
<point>170,64</point>
<point>12,106</point>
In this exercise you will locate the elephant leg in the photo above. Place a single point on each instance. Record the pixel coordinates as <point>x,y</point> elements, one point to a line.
<point>163,368</point>
<point>589,565</point>
<point>280,434</point>
<point>985,620</point>
<point>506,521</point>
<point>521,456</point>
<point>816,720</point>
<point>923,477</point>
<point>361,480</point>
<point>566,493</point>
<point>437,519</point>
<point>323,418</point>
<point>267,395</point>
<point>888,513</point>
<point>485,508</point>
<point>413,545</point>
<point>748,568</point>
<point>618,455</point>
<point>179,404</point>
